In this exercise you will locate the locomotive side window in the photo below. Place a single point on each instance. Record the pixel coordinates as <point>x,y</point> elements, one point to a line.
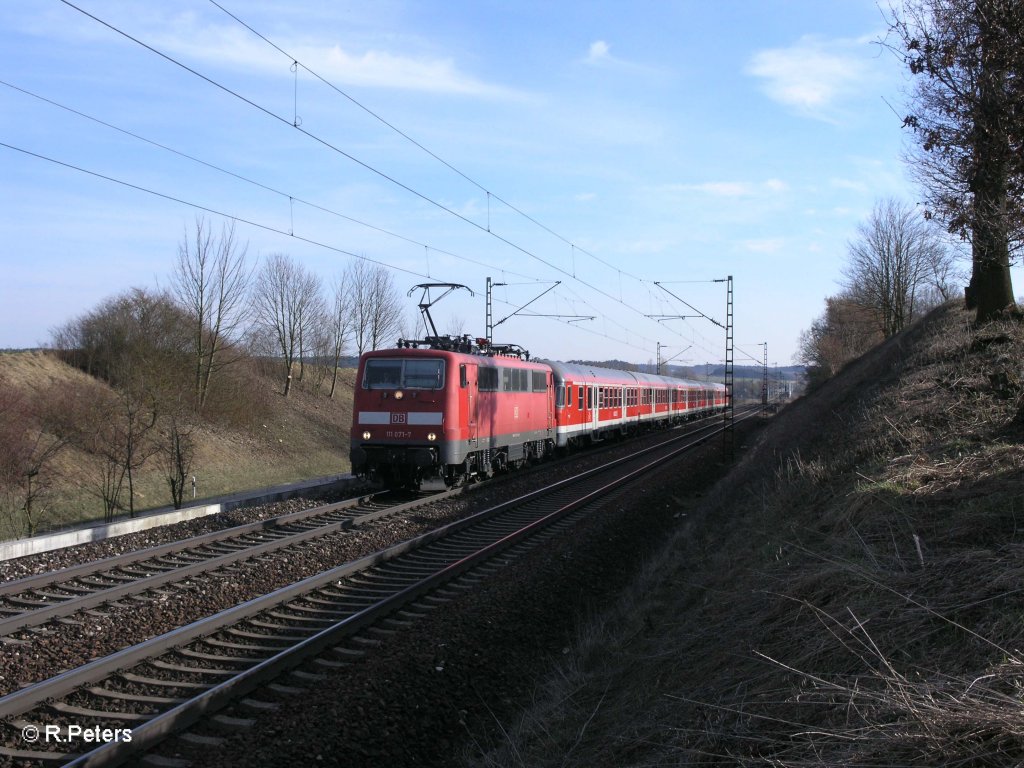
<point>517,380</point>
<point>463,377</point>
<point>407,374</point>
<point>487,379</point>
<point>540,381</point>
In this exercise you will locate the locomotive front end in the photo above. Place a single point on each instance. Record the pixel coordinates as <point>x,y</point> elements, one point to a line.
<point>399,416</point>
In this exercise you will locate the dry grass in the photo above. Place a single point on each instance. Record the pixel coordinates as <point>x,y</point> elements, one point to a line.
<point>852,595</point>
<point>270,440</point>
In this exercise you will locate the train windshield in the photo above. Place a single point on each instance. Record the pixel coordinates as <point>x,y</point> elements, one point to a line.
<point>391,373</point>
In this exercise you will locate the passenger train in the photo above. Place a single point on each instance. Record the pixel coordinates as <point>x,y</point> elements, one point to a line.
<point>457,411</point>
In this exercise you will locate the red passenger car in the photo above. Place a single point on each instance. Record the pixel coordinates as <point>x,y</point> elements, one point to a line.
<point>592,403</point>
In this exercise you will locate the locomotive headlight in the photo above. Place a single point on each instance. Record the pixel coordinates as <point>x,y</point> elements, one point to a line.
<point>366,435</point>
<point>431,436</point>
<point>399,394</point>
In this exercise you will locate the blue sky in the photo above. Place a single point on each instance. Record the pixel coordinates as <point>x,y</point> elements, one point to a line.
<point>639,143</point>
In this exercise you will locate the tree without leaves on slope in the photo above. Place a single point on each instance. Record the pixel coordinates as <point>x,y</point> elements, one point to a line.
<point>896,266</point>
<point>138,342</point>
<point>846,330</point>
<point>338,327</point>
<point>176,452</point>
<point>31,439</point>
<point>376,312</point>
<point>285,295</point>
<point>210,282</point>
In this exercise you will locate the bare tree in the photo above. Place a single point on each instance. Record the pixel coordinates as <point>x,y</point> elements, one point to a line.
<point>412,325</point>
<point>29,446</point>
<point>845,331</point>
<point>312,325</point>
<point>966,113</point>
<point>285,300</point>
<point>210,281</point>
<point>138,343</point>
<point>386,309</point>
<point>339,324</point>
<point>376,305</point>
<point>114,427</point>
<point>895,257</point>
<point>176,453</point>
<point>136,330</point>
<point>456,326</point>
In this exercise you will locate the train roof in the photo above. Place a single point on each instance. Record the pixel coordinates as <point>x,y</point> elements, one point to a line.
<point>464,357</point>
<point>582,372</point>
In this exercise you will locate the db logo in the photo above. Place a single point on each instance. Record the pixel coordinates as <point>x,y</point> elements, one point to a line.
<point>398,418</point>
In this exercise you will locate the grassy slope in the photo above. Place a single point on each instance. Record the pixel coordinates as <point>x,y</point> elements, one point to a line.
<point>851,595</point>
<point>303,436</point>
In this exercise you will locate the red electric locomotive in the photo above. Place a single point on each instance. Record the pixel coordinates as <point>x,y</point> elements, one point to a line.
<point>422,415</point>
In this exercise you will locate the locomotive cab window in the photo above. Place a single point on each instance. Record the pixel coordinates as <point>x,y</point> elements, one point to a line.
<point>383,373</point>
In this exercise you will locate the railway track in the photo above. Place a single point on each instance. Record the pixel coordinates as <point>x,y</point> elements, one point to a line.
<point>162,685</point>
<point>35,600</point>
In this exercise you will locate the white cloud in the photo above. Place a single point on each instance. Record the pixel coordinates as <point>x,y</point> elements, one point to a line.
<point>599,55</point>
<point>372,66</point>
<point>731,188</point>
<point>726,188</point>
<point>599,51</point>
<point>387,70</point>
<point>769,245</point>
<point>813,75</point>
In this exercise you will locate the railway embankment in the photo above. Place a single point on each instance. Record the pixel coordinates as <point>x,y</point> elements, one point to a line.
<point>254,438</point>
<point>851,594</point>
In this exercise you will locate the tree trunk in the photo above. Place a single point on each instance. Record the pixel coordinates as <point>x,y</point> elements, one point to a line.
<point>991,289</point>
